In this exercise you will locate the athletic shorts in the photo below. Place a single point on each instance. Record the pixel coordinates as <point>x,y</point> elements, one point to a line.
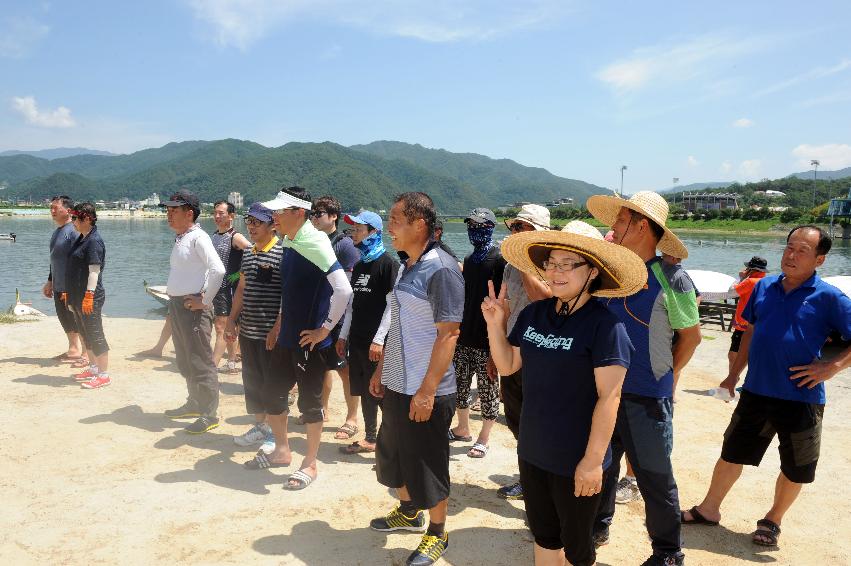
<point>415,455</point>
<point>360,370</point>
<point>557,518</point>
<point>736,340</point>
<point>303,367</point>
<point>64,314</point>
<point>758,418</point>
<point>222,302</point>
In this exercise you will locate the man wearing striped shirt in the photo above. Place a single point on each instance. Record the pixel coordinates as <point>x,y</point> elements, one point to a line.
<point>255,308</point>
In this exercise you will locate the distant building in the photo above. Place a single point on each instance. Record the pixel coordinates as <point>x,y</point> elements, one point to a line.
<point>235,198</point>
<point>770,193</point>
<point>693,202</point>
<point>151,201</point>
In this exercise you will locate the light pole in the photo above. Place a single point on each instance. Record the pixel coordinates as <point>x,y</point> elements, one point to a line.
<point>815,163</point>
<point>623,168</point>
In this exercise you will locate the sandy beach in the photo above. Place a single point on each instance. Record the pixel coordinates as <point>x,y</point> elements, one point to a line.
<point>101,477</point>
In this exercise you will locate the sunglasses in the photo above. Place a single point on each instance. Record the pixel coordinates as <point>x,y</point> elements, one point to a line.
<point>318,213</point>
<point>75,217</point>
<point>562,267</point>
<point>519,227</point>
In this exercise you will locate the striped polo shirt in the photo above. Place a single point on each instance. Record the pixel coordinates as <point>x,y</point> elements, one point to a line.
<point>261,295</point>
<point>430,291</point>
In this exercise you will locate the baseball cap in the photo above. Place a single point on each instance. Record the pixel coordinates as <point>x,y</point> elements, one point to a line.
<point>481,215</point>
<point>757,263</point>
<point>183,197</point>
<point>260,212</point>
<point>364,217</point>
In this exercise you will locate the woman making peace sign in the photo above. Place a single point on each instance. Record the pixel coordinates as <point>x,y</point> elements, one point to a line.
<point>574,354</point>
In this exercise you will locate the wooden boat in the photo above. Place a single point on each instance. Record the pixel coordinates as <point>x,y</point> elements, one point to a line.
<point>23,310</point>
<point>158,292</point>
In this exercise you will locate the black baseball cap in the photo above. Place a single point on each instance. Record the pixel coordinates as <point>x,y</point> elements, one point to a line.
<point>183,197</point>
<point>481,215</point>
<point>757,263</point>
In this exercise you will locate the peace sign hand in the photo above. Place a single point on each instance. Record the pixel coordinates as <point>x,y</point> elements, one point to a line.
<point>495,307</point>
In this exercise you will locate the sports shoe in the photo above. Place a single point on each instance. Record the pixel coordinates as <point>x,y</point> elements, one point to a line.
<point>666,560</point>
<point>627,490</point>
<point>268,445</point>
<point>184,411</point>
<point>396,521</point>
<point>429,551</point>
<point>513,491</point>
<point>202,425</point>
<point>255,435</point>
<point>87,374</point>
<point>102,380</point>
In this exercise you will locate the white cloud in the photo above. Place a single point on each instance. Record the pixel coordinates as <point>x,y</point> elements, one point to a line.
<point>692,161</point>
<point>674,61</point>
<point>831,156</point>
<point>726,167</point>
<point>743,123</point>
<point>28,108</point>
<point>812,74</point>
<point>240,23</point>
<point>749,169</point>
<point>18,36</point>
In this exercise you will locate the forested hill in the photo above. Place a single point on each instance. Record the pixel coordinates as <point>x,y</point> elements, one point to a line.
<point>361,176</point>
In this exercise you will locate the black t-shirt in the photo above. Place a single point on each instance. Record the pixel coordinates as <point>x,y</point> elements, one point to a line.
<point>474,331</point>
<point>86,251</point>
<point>559,390</point>
<point>370,284</point>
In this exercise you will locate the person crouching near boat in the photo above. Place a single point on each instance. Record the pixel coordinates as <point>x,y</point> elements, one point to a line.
<point>574,353</point>
<point>86,295</point>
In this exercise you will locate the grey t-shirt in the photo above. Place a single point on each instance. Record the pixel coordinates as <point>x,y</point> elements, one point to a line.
<point>61,241</point>
<point>517,297</point>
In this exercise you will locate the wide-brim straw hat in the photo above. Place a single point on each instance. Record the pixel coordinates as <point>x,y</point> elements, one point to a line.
<point>622,273</point>
<point>605,208</point>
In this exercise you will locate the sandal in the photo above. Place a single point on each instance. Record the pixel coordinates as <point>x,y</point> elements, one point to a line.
<point>476,406</point>
<point>301,479</point>
<point>768,535</point>
<point>455,438</point>
<point>478,450</point>
<point>696,518</point>
<point>261,461</point>
<point>346,431</point>
<point>80,363</point>
<point>356,448</point>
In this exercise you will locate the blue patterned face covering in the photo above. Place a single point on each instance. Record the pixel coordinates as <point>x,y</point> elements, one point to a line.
<point>481,236</point>
<point>371,247</point>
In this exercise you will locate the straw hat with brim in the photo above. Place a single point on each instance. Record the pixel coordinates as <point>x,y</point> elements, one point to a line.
<point>605,208</point>
<point>622,273</point>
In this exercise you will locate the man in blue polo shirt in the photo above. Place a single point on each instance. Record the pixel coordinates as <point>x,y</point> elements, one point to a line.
<point>790,317</point>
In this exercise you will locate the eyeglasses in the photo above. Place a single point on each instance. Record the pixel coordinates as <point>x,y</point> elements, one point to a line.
<point>251,221</point>
<point>318,213</point>
<point>519,227</point>
<point>562,267</point>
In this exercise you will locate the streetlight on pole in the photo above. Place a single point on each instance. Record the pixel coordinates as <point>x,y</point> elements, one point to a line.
<point>815,163</point>
<point>623,168</point>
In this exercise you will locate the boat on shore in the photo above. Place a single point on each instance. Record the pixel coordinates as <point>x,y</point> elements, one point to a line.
<point>11,237</point>
<point>23,310</point>
<point>158,292</point>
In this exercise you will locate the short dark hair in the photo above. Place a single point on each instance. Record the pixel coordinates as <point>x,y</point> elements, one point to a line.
<point>85,210</point>
<point>231,207</point>
<point>825,242</point>
<point>330,205</point>
<point>298,192</point>
<point>658,231</point>
<point>438,224</point>
<point>66,201</point>
<point>415,206</point>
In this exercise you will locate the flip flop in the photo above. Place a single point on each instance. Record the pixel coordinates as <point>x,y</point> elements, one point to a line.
<point>64,357</point>
<point>346,431</point>
<point>261,461</point>
<point>355,448</point>
<point>455,438</point>
<point>480,448</point>
<point>80,363</point>
<point>302,481</point>
<point>696,518</point>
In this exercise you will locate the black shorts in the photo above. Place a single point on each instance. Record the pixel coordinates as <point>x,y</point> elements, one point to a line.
<point>557,518</point>
<point>64,314</point>
<point>360,370</point>
<point>307,369</point>
<point>736,340</point>
<point>758,418</point>
<point>222,302</point>
<point>415,455</point>
<point>257,372</point>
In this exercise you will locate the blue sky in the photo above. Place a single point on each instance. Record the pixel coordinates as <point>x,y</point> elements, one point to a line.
<point>716,91</point>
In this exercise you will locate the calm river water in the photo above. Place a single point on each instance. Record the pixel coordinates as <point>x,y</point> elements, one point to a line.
<point>138,250</point>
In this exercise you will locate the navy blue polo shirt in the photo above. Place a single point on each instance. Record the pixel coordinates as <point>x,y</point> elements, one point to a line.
<point>789,330</point>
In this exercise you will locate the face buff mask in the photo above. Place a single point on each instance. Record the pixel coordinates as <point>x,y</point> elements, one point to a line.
<point>371,247</point>
<point>481,236</point>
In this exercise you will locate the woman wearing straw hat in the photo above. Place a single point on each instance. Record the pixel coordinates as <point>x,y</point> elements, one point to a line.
<point>574,354</point>
<point>666,307</point>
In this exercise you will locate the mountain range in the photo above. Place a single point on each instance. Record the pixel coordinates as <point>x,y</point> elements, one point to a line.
<point>57,152</point>
<point>359,176</point>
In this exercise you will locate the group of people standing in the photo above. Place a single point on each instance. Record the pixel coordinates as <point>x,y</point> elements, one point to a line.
<point>581,337</point>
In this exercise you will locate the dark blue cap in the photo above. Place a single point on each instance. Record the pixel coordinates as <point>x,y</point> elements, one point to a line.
<point>260,212</point>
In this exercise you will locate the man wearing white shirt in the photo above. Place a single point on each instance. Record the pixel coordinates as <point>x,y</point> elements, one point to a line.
<point>195,269</point>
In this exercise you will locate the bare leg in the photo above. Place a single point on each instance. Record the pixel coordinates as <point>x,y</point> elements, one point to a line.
<point>785,493</point>
<point>629,471</point>
<point>75,347</point>
<point>724,476</point>
<point>437,514</point>
<point>102,361</point>
<point>547,557</point>
<point>221,343</point>
<point>351,402</point>
<point>463,428</point>
<point>308,465</point>
<point>281,454</point>
<point>327,386</point>
<point>484,435</point>
<point>165,334</point>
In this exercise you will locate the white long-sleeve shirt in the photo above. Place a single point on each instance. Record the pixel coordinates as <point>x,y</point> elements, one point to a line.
<point>195,266</point>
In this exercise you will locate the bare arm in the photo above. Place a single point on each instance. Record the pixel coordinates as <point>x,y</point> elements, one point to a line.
<point>240,242</point>
<point>536,289</point>
<point>740,363</point>
<point>235,310</point>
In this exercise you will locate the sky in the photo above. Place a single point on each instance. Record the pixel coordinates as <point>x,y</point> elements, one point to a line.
<point>699,91</point>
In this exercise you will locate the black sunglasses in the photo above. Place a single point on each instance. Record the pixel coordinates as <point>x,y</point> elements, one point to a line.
<point>318,213</point>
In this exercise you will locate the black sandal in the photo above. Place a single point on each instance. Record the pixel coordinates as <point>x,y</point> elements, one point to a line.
<point>770,531</point>
<point>696,518</point>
